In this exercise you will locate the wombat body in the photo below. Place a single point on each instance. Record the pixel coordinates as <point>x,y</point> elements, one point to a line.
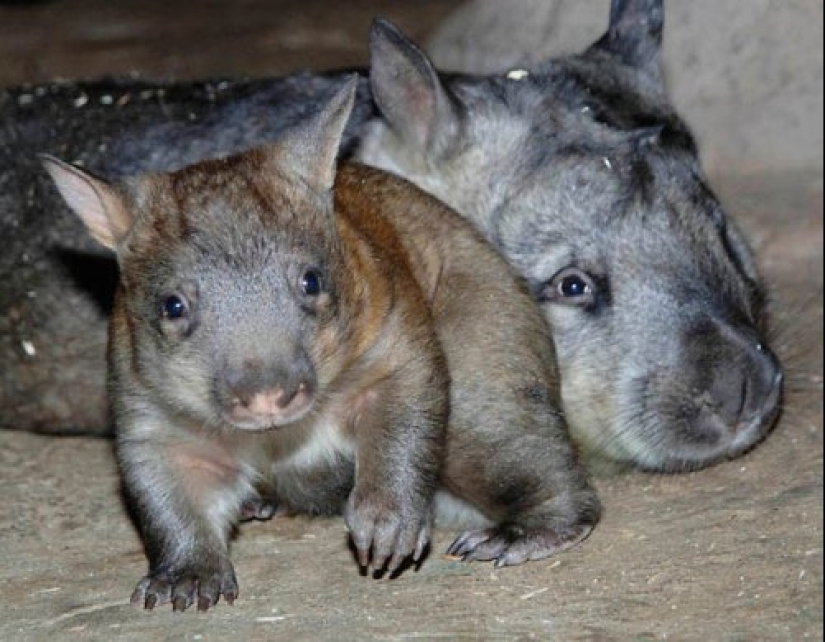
<point>578,171</point>
<point>278,347</point>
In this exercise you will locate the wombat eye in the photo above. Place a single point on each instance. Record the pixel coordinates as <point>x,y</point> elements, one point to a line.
<point>174,307</point>
<point>571,286</point>
<point>311,283</point>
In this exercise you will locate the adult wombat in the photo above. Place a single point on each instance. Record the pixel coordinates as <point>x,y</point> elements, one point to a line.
<point>588,182</point>
<point>579,172</point>
<point>280,343</point>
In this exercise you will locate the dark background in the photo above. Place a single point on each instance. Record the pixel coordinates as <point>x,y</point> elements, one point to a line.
<point>171,39</point>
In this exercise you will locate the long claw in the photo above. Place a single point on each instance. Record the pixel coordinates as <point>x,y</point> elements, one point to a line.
<point>179,603</point>
<point>363,557</point>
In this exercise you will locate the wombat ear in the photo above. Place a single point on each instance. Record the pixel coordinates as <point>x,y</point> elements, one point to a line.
<point>408,91</point>
<point>314,147</point>
<point>635,35</point>
<point>98,204</point>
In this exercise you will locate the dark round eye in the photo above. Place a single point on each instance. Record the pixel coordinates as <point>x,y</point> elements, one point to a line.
<point>311,284</point>
<point>572,286</point>
<point>174,307</point>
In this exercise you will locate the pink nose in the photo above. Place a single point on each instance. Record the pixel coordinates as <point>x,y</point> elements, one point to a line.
<point>265,403</point>
<point>273,406</point>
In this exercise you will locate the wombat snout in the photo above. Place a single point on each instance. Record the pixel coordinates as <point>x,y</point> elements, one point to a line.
<point>746,386</point>
<point>714,394</point>
<point>741,384</point>
<point>258,394</point>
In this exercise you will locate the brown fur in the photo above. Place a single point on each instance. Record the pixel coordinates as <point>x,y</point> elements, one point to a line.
<point>420,344</point>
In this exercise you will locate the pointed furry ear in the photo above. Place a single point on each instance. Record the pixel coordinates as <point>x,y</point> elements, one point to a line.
<point>408,91</point>
<point>98,204</point>
<point>635,34</point>
<point>313,147</point>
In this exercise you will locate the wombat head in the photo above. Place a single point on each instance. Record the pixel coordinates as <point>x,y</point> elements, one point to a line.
<point>587,181</point>
<point>231,280</point>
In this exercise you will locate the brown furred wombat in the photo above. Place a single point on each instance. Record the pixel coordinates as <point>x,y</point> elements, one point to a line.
<point>286,340</point>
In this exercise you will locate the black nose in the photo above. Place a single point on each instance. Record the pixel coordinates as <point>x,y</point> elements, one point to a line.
<point>746,382</point>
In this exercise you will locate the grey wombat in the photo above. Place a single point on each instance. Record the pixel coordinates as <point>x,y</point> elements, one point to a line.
<point>280,345</point>
<point>585,179</point>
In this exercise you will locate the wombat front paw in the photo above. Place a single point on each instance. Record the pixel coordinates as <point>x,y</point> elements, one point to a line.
<point>393,535</point>
<point>182,588</point>
<point>509,544</point>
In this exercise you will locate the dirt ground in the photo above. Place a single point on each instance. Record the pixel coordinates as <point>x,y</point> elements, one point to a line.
<point>730,553</point>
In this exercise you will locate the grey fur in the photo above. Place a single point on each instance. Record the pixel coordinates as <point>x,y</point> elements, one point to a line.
<point>582,164</point>
<point>584,177</point>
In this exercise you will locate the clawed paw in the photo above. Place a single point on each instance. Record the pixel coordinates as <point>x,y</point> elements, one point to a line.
<point>187,587</point>
<point>510,545</point>
<point>385,538</point>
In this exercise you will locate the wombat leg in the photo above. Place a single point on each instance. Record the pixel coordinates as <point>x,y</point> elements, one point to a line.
<point>186,498</point>
<point>389,512</point>
<point>538,495</point>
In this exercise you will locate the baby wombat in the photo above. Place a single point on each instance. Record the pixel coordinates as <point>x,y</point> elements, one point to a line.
<point>287,340</point>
